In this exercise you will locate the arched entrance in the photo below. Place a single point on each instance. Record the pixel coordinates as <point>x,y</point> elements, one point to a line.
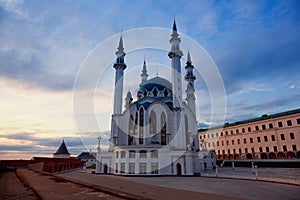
<point>281,155</point>
<point>272,155</point>
<point>236,156</point>
<point>230,157</point>
<point>263,156</point>
<point>298,154</point>
<point>290,155</point>
<point>105,169</point>
<point>249,156</point>
<point>178,169</point>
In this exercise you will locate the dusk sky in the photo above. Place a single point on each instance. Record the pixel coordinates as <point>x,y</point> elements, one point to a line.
<point>254,44</point>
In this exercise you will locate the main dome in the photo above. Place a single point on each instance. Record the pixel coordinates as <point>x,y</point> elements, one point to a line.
<point>155,87</point>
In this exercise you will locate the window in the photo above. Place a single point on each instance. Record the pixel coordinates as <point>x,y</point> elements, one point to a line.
<point>263,127</point>
<point>141,136</point>
<point>237,131</point>
<point>294,147</point>
<point>207,136</point>
<point>251,140</point>
<point>204,136</point>
<point>131,168</point>
<point>218,152</point>
<point>143,154</point>
<point>143,168</point>
<point>267,149</point>
<point>131,130</point>
<point>231,132</point>
<point>221,133</point>
<point>256,128</point>
<point>232,141</point>
<point>213,144</point>
<point>239,141</point>
<point>222,143</point>
<point>227,142</point>
<point>282,137</point>
<point>289,122</point>
<point>131,154</point>
<point>218,143</point>
<point>292,136</point>
<point>271,125</point>
<point>249,129</point>
<point>245,141</point>
<point>122,167</point>
<point>117,154</point>
<point>240,150</point>
<point>252,150</point>
<point>163,131</point>
<point>217,134</point>
<point>154,154</point>
<point>212,135</point>
<point>266,138</point>
<point>273,137</point>
<point>152,122</point>
<point>258,139</point>
<point>280,124</point>
<point>298,121</point>
<point>223,151</point>
<point>228,151</point>
<point>284,148</point>
<point>117,168</point>
<point>246,150</point>
<point>260,149</point>
<point>234,151</point>
<point>208,144</point>
<point>243,130</point>
<point>154,168</point>
<point>123,154</point>
<point>226,132</point>
<point>200,137</point>
<point>275,148</point>
<point>187,133</point>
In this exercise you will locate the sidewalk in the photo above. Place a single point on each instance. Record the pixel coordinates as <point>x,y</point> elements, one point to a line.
<point>283,175</point>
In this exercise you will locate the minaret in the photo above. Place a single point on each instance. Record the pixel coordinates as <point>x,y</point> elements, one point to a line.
<point>190,90</point>
<point>120,66</point>
<point>175,54</point>
<point>144,74</point>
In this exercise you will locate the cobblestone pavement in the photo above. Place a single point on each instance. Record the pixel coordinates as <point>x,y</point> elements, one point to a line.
<point>49,187</point>
<point>223,188</point>
<point>12,188</point>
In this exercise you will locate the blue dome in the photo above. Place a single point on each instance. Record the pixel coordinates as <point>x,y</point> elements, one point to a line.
<point>156,87</point>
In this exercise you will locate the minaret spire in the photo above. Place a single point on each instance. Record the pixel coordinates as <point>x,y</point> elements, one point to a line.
<point>175,54</point>
<point>190,90</point>
<point>144,74</point>
<point>119,66</point>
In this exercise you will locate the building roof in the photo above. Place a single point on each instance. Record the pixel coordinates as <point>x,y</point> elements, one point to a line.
<point>158,82</point>
<point>263,117</point>
<point>62,149</point>
<point>86,155</point>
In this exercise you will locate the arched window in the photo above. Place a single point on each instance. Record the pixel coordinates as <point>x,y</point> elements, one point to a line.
<point>187,134</point>
<point>152,121</point>
<point>163,131</point>
<point>141,137</point>
<point>131,130</point>
<point>135,124</point>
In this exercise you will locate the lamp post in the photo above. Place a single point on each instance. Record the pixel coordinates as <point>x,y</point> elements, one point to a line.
<point>99,139</point>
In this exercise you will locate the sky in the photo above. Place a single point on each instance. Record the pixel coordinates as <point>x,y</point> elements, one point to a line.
<point>44,45</point>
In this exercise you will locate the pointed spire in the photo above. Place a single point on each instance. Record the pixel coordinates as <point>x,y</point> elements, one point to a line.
<point>144,74</point>
<point>189,60</point>
<point>174,25</point>
<point>120,47</point>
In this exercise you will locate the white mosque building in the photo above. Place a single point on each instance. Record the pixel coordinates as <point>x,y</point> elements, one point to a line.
<point>157,133</point>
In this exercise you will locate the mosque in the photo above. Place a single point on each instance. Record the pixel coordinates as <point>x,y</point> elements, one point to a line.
<point>157,133</point>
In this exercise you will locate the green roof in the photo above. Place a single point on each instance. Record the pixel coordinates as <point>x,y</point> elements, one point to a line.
<point>263,117</point>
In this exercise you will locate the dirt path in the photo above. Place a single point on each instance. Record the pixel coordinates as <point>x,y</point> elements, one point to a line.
<point>12,188</point>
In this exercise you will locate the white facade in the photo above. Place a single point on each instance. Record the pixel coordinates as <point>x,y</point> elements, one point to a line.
<point>157,133</point>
